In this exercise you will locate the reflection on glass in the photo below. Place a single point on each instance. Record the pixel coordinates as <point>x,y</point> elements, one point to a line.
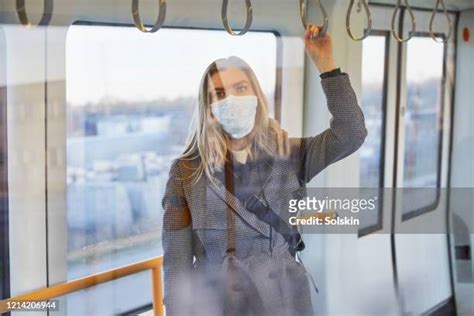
<point>423,117</point>
<point>373,78</point>
<point>373,98</point>
<point>130,98</point>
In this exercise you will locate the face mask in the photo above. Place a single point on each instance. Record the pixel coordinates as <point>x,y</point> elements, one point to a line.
<point>236,114</point>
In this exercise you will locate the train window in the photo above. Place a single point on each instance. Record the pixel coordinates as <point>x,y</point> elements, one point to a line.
<point>128,109</point>
<point>374,79</point>
<point>423,124</point>
<point>373,105</point>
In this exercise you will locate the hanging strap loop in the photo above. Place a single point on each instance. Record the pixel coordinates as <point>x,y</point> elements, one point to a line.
<point>435,11</point>
<point>159,22</point>
<point>23,17</point>
<point>369,20</point>
<point>321,7</point>
<point>413,22</point>
<point>225,19</point>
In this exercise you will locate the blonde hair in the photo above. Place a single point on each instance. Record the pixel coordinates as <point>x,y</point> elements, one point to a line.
<point>208,143</point>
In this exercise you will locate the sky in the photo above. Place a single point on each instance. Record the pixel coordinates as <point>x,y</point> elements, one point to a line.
<point>122,63</point>
<point>424,59</point>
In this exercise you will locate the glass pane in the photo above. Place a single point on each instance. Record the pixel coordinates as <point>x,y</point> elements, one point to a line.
<point>130,98</point>
<point>423,117</point>
<point>116,295</point>
<point>373,78</point>
<point>373,98</point>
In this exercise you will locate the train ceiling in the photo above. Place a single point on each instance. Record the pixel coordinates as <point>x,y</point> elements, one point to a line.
<point>455,5</point>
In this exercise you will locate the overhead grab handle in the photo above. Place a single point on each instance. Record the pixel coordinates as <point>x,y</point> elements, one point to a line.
<point>225,20</point>
<point>325,26</point>
<point>413,22</point>
<point>23,17</point>
<point>369,20</point>
<point>138,21</point>
<point>435,11</point>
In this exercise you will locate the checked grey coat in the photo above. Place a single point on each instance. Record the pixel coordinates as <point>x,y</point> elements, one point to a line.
<point>195,219</point>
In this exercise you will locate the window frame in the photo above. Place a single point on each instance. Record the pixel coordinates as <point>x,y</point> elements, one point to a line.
<point>379,224</point>
<point>407,215</point>
<point>4,197</point>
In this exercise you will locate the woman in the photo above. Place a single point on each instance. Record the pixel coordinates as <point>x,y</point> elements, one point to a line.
<point>226,200</point>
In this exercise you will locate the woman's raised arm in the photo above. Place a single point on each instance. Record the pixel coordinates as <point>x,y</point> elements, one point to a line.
<point>345,135</point>
<point>347,130</point>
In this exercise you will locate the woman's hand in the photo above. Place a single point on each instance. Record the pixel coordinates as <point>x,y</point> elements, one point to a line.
<point>319,49</point>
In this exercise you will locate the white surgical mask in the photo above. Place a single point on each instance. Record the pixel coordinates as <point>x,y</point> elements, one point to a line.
<point>236,114</point>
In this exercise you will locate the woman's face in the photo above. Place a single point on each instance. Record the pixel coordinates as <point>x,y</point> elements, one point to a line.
<point>232,81</point>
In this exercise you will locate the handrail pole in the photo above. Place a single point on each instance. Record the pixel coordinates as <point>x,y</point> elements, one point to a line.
<point>157,292</point>
<point>62,289</point>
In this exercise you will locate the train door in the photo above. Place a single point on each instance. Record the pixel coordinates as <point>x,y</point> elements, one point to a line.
<point>416,107</point>
<point>424,93</point>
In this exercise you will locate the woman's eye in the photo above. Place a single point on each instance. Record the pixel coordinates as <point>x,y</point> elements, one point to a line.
<point>241,89</point>
<point>217,95</point>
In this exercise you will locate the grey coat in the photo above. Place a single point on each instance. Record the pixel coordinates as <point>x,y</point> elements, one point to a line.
<point>194,223</point>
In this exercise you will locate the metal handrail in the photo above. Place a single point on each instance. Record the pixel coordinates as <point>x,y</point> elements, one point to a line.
<point>413,22</point>
<point>159,21</point>
<point>369,20</point>
<point>325,26</point>
<point>23,16</point>
<point>435,10</point>
<point>225,19</point>
<point>62,289</point>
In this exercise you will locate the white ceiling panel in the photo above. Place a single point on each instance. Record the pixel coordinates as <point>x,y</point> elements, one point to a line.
<point>456,5</point>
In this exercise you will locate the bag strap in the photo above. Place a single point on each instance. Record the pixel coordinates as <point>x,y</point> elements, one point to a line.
<point>258,205</point>
<point>230,186</point>
<point>263,211</point>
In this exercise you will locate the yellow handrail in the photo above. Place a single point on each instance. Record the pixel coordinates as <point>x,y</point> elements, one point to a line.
<point>58,290</point>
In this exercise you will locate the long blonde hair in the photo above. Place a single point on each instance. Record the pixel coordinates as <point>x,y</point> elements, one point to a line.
<point>208,143</point>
